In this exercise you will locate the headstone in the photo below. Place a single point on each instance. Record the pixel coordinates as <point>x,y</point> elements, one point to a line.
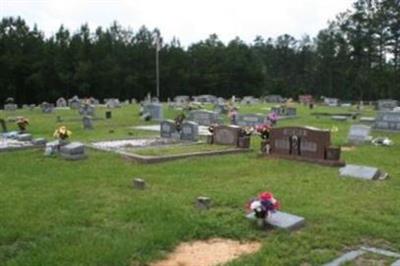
<point>24,137</point>
<point>139,183</point>
<point>203,203</point>
<point>309,144</point>
<point>87,110</point>
<point>283,111</point>
<point>203,117</point>
<point>226,135</point>
<point>190,131</point>
<point>74,102</point>
<point>362,172</point>
<point>249,100</point>
<point>331,101</point>
<point>388,121</point>
<point>274,99</point>
<point>47,108</point>
<point>205,99</point>
<point>61,102</point>
<point>168,129</point>
<point>286,221</point>
<point>387,105</point>
<point>306,99</point>
<point>10,107</point>
<point>73,151</point>
<point>87,122</point>
<point>358,134</point>
<point>108,114</point>
<point>154,110</point>
<point>251,120</point>
<point>39,141</point>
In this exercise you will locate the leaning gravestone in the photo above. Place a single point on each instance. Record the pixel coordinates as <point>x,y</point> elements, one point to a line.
<point>251,120</point>
<point>226,135</point>
<point>168,129</point>
<point>87,122</point>
<point>362,172</point>
<point>190,131</point>
<point>358,134</point>
<point>388,121</point>
<point>203,117</point>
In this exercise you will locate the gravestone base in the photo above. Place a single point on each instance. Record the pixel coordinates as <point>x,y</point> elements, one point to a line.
<point>333,163</point>
<point>73,151</point>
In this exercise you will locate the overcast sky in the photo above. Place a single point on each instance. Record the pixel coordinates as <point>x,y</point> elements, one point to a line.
<point>189,20</point>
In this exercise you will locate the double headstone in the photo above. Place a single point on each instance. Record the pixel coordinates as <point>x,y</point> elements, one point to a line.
<point>358,134</point>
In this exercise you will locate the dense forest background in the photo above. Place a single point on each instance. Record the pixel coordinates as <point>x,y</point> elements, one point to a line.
<point>356,57</point>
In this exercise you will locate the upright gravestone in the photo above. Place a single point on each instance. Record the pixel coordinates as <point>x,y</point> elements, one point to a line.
<point>74,102</point>
<point>190,131</point>
<point>226,135</point>
<point>358,134</point>
<point>203,117</point>
<point>388,121</point>
<point>61,102</point>
<point>251,120</point>
<point>87,122</point>
<point>87,110</point>
<point>47,108</point>
<point>10,107</point>
<point>168,129</point>
<point>154,110</point>
<point>113,103</point>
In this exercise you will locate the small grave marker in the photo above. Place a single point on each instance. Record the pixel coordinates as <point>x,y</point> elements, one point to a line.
<point>139,183</point>
<point>203,203</point>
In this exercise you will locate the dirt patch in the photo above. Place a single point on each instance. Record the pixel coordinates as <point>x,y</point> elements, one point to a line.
<point>208,253</point>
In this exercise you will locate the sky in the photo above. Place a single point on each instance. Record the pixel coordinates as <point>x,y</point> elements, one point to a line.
<point>188,20</point>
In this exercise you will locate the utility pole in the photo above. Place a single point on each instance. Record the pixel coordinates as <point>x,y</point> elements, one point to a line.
<point>158,47</point>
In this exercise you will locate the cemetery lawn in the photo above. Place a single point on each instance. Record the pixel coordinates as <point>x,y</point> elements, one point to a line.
<point>178,149</point>
<point>57,212</point>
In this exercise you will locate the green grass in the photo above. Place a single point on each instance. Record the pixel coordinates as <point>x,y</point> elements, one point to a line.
<point>178,149</point>
<point>56,212</point>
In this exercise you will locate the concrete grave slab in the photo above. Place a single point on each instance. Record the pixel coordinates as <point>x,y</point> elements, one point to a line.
<point>362,172</point>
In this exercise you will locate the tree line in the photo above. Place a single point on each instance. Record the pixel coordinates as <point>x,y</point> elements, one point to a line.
<point>357,56</point>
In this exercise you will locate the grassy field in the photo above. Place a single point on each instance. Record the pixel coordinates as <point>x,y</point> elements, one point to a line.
<point>56,212</point>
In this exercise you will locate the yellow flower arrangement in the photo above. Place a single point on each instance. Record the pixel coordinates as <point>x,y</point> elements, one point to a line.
<point>62,133</point>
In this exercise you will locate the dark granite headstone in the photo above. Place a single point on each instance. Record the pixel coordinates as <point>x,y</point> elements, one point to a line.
<point>226,135</point>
